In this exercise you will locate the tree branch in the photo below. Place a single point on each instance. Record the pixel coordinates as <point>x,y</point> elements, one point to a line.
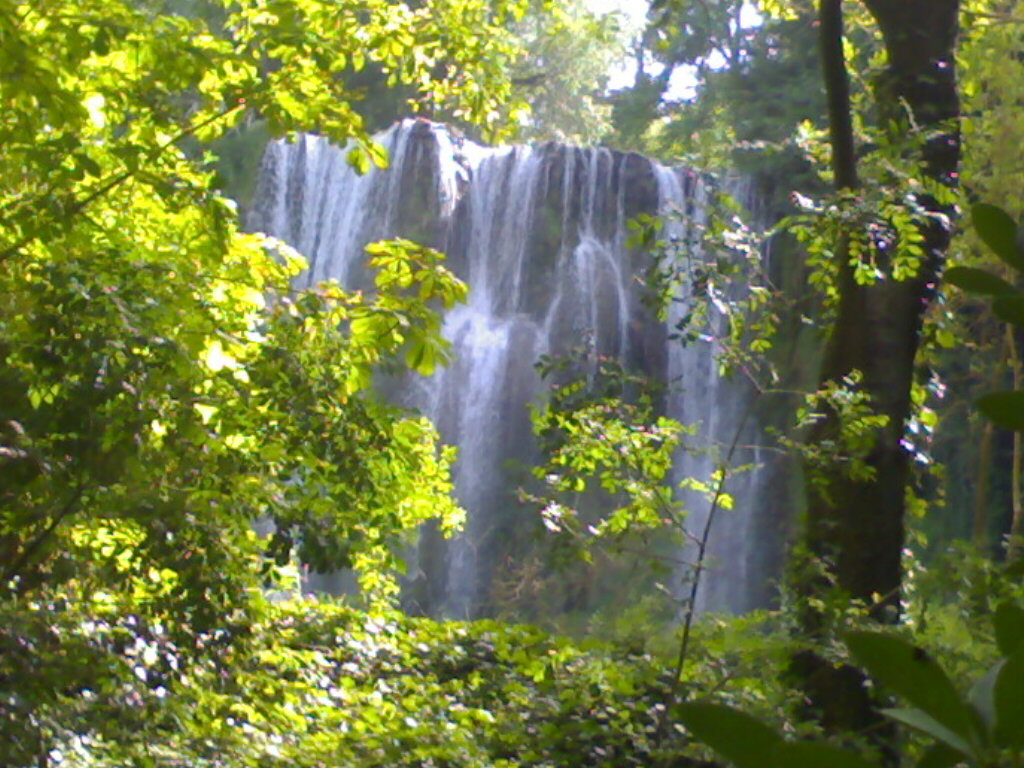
<point>837,90</point>
<point>699,568</point>
<point>29,552</point>
<point>115,181</point>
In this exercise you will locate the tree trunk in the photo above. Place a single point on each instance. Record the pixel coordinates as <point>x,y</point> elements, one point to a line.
<point>979,520</point>
<point>854,528</point>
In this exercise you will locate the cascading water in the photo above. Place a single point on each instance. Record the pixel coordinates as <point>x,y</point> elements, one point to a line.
<point>540,234</point>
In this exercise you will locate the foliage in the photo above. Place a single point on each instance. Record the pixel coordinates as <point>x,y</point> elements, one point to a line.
<point>950,602</point>
<point>845,452</point>
<point>881,227</point>
<point>755,80</point>
<point>593,438</point>
<point>999,232</point>
<point>557,58</point>
<point>973,351</point>
<point>162,387</point>
<point>609,478</point>
<point>318,684</point>
<point>569,52</point>
<point>326,685</point>
<point>607,517</point>
<point>986,728</point>
<point>991,87</point>
<point>706,277</point>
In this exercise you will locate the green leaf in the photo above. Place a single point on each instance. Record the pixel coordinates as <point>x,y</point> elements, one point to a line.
<point>359,160</point>
<point>940,756</point>
<point>925,723</point>
<point>978,281</point>
<point>1009,698</point>
<point>982,696</point>
<point>809,754</point>
<point>1004,409</point>
<point>88,165</point>
<point>1010,309</point>
<point>999,232</point>
<point>1009,625</point>
<point>911,673</point>
<point>378,154</point>
<point>740,738</point>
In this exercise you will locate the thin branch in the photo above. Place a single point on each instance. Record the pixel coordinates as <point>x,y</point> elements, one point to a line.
<point>30,551</point>
<point>702,546</point>
<point>1002,18</point>
<point>699,568</point>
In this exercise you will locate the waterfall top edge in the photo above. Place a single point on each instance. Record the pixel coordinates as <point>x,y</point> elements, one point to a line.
<point>473,153</point>
<point>476,151</point>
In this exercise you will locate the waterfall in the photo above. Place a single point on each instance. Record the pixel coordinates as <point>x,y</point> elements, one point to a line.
<point>540,234</point>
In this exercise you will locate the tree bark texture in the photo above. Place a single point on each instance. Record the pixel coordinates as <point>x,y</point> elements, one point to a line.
<point>854,528</point>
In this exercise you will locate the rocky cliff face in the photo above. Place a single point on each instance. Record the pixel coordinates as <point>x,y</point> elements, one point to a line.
<point>540,234</point>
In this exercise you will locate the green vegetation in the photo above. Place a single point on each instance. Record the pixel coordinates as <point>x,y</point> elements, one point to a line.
<point>160,379</point>
<point>983,729</point>
<point>165,393</point>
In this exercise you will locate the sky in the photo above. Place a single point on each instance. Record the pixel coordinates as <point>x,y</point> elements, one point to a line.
<point>635,11</point>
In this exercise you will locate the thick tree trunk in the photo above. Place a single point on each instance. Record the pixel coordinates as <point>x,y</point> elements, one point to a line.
<point>854,530</point>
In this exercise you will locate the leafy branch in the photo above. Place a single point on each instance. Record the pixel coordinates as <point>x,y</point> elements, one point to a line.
<point>78,206</point>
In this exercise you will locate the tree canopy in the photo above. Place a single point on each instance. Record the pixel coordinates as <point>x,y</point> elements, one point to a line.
<point>161,380</point>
